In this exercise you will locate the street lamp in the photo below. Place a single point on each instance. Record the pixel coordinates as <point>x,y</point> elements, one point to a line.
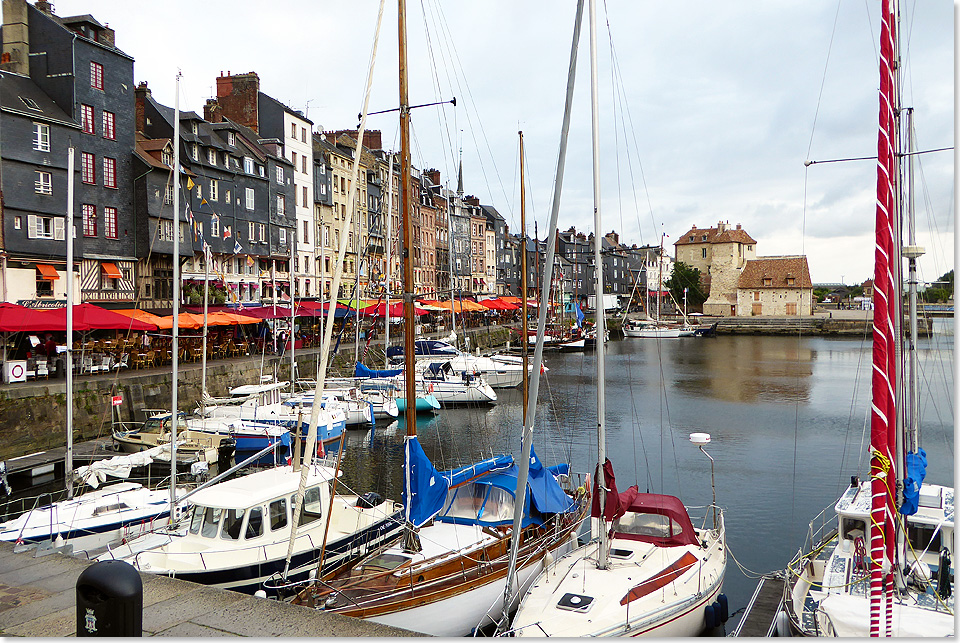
<point>701,440</point>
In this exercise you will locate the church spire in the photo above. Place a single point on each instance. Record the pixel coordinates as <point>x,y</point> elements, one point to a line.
<point>460,175</point>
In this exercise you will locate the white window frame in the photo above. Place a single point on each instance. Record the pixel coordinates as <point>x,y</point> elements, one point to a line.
<point>44,183</point>
<point>280,174</point>
<point>248,165</point>
<point>41,137</point>
<point>214,191</point>
<point>250,201</point>
<point>215,227</point>
<point>212,156</point>
<point>282,236</point>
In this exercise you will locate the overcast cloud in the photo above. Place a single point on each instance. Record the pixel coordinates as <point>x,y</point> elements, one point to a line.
<point>711,116</point>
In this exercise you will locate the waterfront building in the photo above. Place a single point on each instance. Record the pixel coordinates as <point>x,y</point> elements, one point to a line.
<point>775,286</point>
<point>325,155</point>
<point>77,68</point>
<point>496,244</point>
<point>719,254</point>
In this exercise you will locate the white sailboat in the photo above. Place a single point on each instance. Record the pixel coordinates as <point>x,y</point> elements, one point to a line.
<point>882,565</point>
<point>650,571</point>
<point>654,328</point>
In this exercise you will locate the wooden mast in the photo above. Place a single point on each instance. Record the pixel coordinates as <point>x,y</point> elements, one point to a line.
<point>409,371</point>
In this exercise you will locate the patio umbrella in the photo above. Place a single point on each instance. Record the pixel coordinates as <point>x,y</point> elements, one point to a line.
<point>268,312</point>
<point>15,318</point>
<point>184,320</point>
<point>223,318</point>
<point>142,315</point>
<point>396,310</point>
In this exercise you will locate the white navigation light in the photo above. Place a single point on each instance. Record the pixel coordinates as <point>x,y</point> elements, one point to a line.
<point>700,439</point>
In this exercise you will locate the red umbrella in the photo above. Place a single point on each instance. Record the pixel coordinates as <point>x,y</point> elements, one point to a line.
<point>396,310</point>
<point>266,312</point>
<point>89,317</point>
<point>14,319</point>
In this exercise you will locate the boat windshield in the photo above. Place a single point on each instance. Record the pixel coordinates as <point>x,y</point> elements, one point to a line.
<point>205,521</point>
<point>232,521</point>
<point>478,502</point>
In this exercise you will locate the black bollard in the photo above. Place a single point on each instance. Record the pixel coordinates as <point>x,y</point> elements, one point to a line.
<point>110,600</point>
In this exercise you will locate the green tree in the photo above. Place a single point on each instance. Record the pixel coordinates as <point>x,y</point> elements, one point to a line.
<point>946,282</point>
<point>686,277</point>
<point>820,294</point>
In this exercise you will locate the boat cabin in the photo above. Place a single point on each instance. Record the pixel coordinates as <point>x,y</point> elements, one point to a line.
<point>654,518</point>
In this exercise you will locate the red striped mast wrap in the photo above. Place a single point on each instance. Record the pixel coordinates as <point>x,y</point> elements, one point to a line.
<point>883,421</point>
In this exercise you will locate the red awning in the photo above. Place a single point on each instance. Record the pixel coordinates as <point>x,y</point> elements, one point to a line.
<point>110,270</point>
<point>90,317</point>
<point>14,318</point>
<point>47,272</point>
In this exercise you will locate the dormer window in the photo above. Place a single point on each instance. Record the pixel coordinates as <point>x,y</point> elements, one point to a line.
<point>791,281</point>
<point>194,128</point>
<point>703,238</point>
<point>166,158</point>
<point>767,281</point>
<point>212,157</point>
<point>231,139</point>
<point>248,165</point>
<point>30,103</point>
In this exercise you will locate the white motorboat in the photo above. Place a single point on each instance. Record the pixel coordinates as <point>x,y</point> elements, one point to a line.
<point>237,533</point>
<point>499,371</point>
<point>452,388</point>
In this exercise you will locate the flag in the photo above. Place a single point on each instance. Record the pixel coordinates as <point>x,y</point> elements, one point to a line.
<point>226,232</point>
<point>249,259</point>
<point>190,183</point>
<point>284,296</point>
<point>237,249</point>
<point>214,216</point>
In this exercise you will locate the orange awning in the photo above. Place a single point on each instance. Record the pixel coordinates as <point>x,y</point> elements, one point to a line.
<point>142,315</point>
<point>47,272</point>
<point>185,320</point>
<point>110,270</point>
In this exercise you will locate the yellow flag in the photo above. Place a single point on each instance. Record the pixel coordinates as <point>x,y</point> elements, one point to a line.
<point>190,183</point>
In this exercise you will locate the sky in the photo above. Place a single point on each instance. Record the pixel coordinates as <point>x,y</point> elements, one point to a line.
<point>708,110</point>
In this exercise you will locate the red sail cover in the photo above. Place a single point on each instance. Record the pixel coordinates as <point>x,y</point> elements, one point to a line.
<point>612,508</point>
<point>883,415</point>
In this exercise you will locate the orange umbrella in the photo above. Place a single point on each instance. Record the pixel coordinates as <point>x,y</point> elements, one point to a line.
<point>223,318</point>
<point>185,320</point>
<point>141,315</point>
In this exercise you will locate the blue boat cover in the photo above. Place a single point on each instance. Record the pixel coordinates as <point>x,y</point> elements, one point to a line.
<point>465,474</point>
<point>362,371</point>
<point>548,496</point>
<point>916,472</point>
<point>580,316</point>
<point>424,489</point>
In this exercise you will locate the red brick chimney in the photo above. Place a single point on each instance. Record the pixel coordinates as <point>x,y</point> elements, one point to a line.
<point>140,93</point>
<point>433,176</point>
<point>212,112</point>
<point>238,96</point>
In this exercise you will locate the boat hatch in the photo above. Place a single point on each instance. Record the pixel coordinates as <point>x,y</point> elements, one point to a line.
<point>623,554</point>
<point>383,563</point>
<point>103,509</point>
<point>575,602</point>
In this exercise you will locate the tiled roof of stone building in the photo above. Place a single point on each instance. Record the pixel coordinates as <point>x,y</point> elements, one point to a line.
<point>720,234</point>
<point>777,270</point>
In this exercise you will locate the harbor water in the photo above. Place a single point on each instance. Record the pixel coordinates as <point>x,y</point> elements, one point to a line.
<point>788,419</point>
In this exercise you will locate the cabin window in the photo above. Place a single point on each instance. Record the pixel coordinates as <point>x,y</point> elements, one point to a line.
<point>853,528</point>
<point>254,523</point>
<point>498,507</point>
<point>232,521</point>
<point>103,509</point>
<point>923,537</point>
<point>465,502</point>
<point>278,514</point>
<point>311,506</point>
<point>647,525</point>
<point>205,521</point>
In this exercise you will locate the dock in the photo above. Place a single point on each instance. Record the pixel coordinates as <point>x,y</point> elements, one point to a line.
<point>38,599</point>
<point>760,616</point>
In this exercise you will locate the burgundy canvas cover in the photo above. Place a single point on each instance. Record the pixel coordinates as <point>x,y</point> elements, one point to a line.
<point>613,508</point>
<point>654,503</point>
<point>266,312</point>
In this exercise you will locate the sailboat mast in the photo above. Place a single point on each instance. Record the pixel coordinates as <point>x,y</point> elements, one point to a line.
<point>68,462</point>
<point>409,370</point>
<point>203,357</point>
<point>598,262</point>
<point>530,399</point>
<point>386,329</point>
<point>450,246</point>
<point>523,281</point>
<point>912,252</point>
<point>175,343</point>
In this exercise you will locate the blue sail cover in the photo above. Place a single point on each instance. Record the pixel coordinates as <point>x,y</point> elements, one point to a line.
<point>362,371</point>
<point>548,496</point>
<point>465,474</point>
<point>424,489</point>
<point>916,472</point>
<point>580,316</point>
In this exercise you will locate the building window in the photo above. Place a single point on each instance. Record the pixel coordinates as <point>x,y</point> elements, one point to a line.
<point>199,192</point>
<point>791,281</point>
<point>262,229</point>
<point>109,125</point>
<point>280,172</point>
<point>89,220</point>
<point>306,234</point>
<point>767,281</point>
<point>17,222</point>
<point>41,137</point>
<point>39,227</point>
<point>109,173</point>
<point>214,192</point>
<point>96,75</point>
<point>283,236</point>
<point>194,128</point>
<point>44,183</point>
<point>166,231</point>
<point>110,222</point>
<point>167,158</point>
<point>756,295</point>
<point>303,164</point>
<point>248,165</point>
<point>88,171</point>
<point>194,152</point>
<point>303,136</point>
<point>251,231</point>
<point>281,204</point>
<point>86,119</point>
<point>249,199</point>
<point>703,253</point>
<point>168,195</point>
<point>231,139</point>
<point>214,226</point>
<point>293,130</point>
<point>261,170</point>
<point>304,203</point>
<point>212,157</point>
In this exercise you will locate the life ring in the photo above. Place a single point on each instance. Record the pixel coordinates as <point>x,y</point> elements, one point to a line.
<point>430,388</point>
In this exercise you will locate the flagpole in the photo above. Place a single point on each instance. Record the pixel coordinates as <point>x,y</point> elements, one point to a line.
<point>176,303</point>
